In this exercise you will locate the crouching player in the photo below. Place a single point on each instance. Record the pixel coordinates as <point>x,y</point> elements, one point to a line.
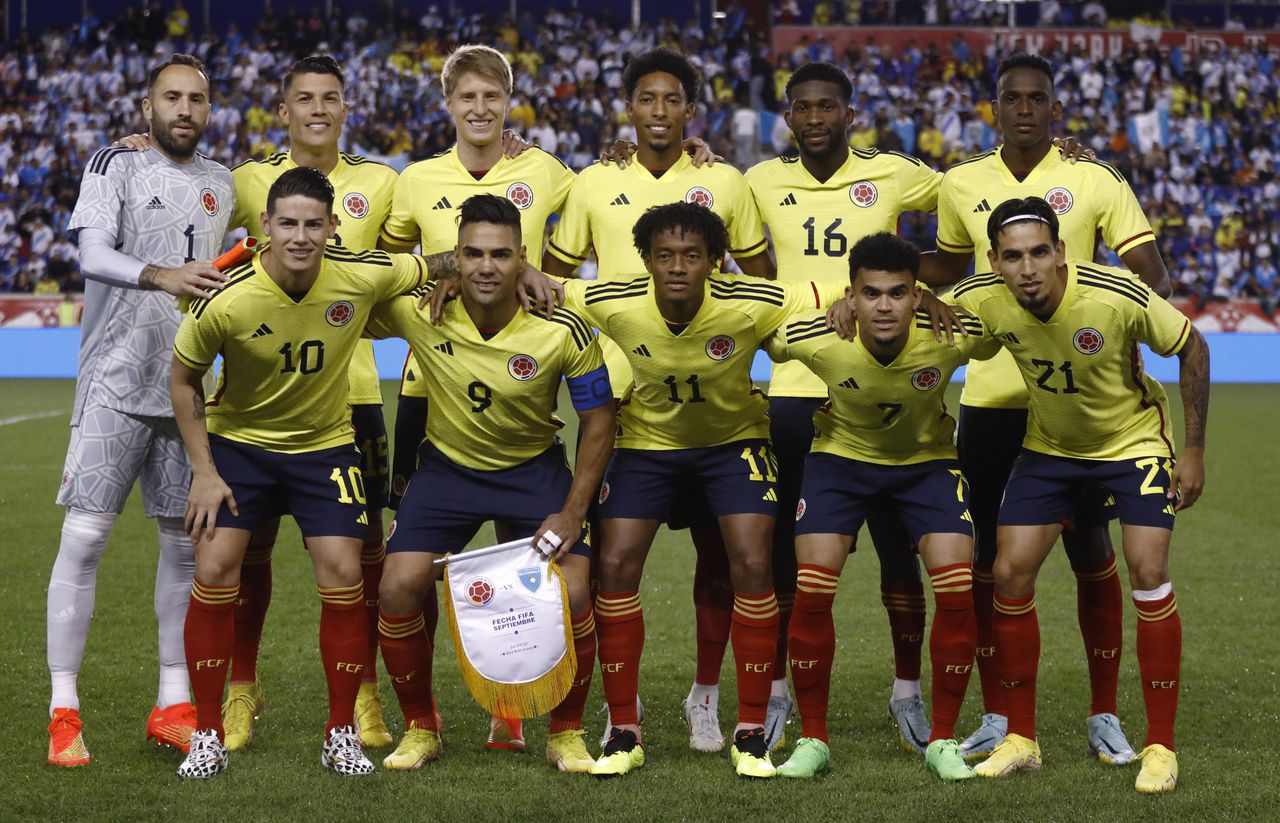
<point>276,439</point>
<point>1096,418</point>
<point>884,435</point>
<point>492,374</point>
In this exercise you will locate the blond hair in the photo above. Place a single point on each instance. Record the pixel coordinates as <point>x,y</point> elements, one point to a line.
<point>482,60</point>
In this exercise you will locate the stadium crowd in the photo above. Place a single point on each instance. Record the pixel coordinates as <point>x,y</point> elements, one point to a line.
<point>1211,191</point>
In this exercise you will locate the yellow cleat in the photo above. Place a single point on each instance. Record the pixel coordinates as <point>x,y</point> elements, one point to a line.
<point>245,702</point>
<point>622,753</point>
<point>750,755</point>
<point>1159,770</point>
<point>418,747</point>
<point>66,739</point>
<point>567,751</point>
<point>1012,754</point>
<point>369,722</point>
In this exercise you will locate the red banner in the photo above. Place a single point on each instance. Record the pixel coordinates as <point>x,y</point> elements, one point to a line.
<point>1243,316</point>
<point>36,310</point>
<point>1097,43</point>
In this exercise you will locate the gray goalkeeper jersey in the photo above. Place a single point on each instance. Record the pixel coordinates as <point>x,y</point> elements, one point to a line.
<point>161,213</point>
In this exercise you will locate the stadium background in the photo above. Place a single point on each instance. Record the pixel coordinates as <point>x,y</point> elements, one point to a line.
<point>1202,136</point>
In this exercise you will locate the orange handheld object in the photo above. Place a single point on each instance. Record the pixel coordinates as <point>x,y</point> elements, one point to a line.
<point>237,254</point>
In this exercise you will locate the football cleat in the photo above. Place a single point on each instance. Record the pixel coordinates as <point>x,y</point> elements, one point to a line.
<point>775,721</point>
<point>984,741</point>
<point>704,724</point>
<point>608,720</point>
<point>245,702</point>
<point>811,758</point>
<point>1159,770</point>
<point>944,759</point>
<point>206,757</point>
<point>172,726</point>
<point>506,734</point>
<point>342,753</point>
<point>418,747</point>
<point>1107,740</point>
<point>66,739</point>
<point>913,722</point>
<point>622,753</point>
<point>750,755</point>
<point>369,722</point>
<point>567,751</point>
<point>1014,753</point>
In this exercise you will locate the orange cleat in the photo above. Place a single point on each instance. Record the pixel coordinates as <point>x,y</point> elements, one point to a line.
<point>66,742</point>
<point>172,726</point>
<point>506,734</point>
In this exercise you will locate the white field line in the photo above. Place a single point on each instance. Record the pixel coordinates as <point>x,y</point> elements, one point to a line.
<point>22,418</point>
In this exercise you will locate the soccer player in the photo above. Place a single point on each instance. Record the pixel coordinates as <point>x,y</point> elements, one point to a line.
<point>691,415</point>
<point>477,83</point>
<point>492,373</point>
<point>148,224</point>
<point>1095,419</point>
<point>661,88</point>
<point>276,438</point>
<point>884,436</point>
<point>1089,198</point>
<point>817,206</point>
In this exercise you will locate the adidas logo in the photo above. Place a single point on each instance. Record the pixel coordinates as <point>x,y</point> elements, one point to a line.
<point>155,203</point>
<point>262,331</point>
<point>771,496</point>
<point>445,347</point>
<point>620,200</point>
<point>981,207</point>
<point>850,384</point>
<point>789,200</point>
<point>442,203</point>
<point>641,350</point>
<point>1010,338</point>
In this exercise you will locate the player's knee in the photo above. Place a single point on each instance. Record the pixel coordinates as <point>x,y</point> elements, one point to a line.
<point>1013,579</point>
<point>752,573</point>
<point>397,595</point>
<point>619,571</point>
<point>85,534</point>
<point>1148,576</point>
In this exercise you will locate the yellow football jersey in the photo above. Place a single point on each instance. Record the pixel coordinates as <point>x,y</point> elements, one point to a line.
<point>1089,197</point>
<point>814,225</point>
<point>693,388</point>
<point>285,361</point>
<point>1089,395</point>
<point>362,199</point>
<point>429,193</point>
<point>492,401</point>
<point>893,415</point>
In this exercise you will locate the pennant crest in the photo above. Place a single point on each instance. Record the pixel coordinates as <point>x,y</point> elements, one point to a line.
<point>531,577</point>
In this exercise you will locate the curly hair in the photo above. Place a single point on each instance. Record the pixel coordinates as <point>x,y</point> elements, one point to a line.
<point>822,72</point>
<point>662,60</point>
<point>884,251</point>
<point>687,218</point>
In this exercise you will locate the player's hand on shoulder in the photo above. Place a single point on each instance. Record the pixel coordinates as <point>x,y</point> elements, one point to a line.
<point>944,318</point>
<point>538,292</point>
<point>700,151</point>
<point>620,153</point>
<point>208,492</point>
<point>199,278</point>
<point>1073,150</point>
<point>1187,479</point>
<point>137,142</point>
<point>557,534</point>
<point>446,289</point>
<point>513,145</point>
<point>840,317</point>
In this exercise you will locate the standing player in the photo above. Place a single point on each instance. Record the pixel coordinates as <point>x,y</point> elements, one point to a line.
<point>1089,198</point>
<point>278,440</point>
<point>661,87</point>
<point>491,452</point>
<point>817,206</point>
<point>691,420</point>
<point>477,83</point>
<point>885,435</point>
<point>1096,419</point>
<point>147,223</point>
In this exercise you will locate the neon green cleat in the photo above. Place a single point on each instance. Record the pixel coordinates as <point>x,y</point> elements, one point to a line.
<point>811,758</point>
<point>1014,753</point>
<point>621,754</point>
<point>750,754</point>
<point>369,722</point>
<point>944,759</point>
<point>245,701</point>
<point>1159,770</point>
<point>567,751</point>
<point>418,747</point>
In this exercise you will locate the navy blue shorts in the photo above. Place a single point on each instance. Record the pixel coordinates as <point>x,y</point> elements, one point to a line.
<point>1046,489</point>
<point>735,478</point>
<point>445,504</point>
<point>930,497</point>
<point>323,490</point>
<point>371,440</point>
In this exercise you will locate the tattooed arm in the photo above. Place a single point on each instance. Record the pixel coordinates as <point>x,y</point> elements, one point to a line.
<point>1193,379</point>
<point>208,490</point>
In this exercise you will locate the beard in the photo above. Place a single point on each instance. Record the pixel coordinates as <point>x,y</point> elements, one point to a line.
<point>179,147</point>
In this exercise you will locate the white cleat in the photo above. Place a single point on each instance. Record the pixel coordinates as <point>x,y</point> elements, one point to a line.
<point>703,721</point>
<point>775,721</point>
<point>1107,740</point>
<point>207,757</point>
<point>342,753</point>
<point>913,722</point>
<point>984,741</point>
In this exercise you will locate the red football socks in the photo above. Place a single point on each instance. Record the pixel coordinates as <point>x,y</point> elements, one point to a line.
<point>620,632</point>
<point>1017,632</point>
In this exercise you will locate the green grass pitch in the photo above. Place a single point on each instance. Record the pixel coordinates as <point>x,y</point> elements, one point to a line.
<point>1224,571</point>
